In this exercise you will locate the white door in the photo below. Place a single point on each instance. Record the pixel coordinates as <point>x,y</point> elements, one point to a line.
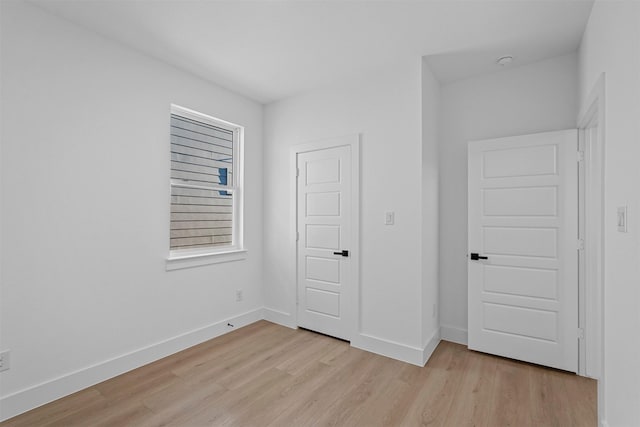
<point>324,240</point>
<point>523,217</point>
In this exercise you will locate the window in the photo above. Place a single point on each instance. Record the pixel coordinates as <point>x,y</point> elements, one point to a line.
<point>205,185</point>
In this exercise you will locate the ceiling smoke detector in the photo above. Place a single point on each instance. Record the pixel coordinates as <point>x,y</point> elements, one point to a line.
<point>504,60</point>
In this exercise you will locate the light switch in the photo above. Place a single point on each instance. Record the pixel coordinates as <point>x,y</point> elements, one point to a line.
<point>622,219</point>
<point>389,218</point>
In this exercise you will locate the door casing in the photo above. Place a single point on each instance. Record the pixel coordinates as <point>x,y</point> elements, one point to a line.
<point>591,122</point>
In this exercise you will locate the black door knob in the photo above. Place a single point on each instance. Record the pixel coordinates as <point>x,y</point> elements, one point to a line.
<point>474,256</point>
<point>343,253</point>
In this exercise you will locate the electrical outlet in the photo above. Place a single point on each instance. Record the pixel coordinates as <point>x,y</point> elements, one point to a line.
<point>239,295</point>
<point>4,361</point>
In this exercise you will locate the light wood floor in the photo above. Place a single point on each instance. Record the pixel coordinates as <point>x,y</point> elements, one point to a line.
<point>268,375</point>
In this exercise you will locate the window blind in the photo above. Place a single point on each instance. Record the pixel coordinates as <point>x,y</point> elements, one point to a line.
<point>201,184</point>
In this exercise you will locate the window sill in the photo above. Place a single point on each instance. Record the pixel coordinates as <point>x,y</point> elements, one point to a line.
<point>177,262</point>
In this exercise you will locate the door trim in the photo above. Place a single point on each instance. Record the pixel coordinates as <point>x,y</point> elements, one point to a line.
<point>591,288</point>
<point>592,306</point>
<point>352,295</point>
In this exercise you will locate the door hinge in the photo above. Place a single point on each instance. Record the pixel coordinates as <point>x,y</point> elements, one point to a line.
<point>297,236</point>
<point>580,244</point>
<point>580,156</point>
<point>580,333</point>
<point>297,172</point>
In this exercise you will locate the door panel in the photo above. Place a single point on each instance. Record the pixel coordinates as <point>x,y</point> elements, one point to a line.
<point>323,269</point>
<point>520,161</point>
<point>324,225</point>
<point>535,242</point>
<point>323,236</point>
<point>323,204</point>
<point>520,321</point>
<point>530,282</point>
<point>323,302</point>
<point>523,298</point>
<point>541,201</point>
<point>323,171</point>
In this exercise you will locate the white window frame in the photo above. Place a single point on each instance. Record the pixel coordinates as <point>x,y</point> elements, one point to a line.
<point>193,257</point>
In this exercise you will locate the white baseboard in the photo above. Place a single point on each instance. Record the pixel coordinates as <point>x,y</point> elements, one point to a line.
<point>394,350</point>
<point>604,423</point>
<point>48,391</point>
<point>430,347</point>
<point>280,318</point>
<point>454,334</point>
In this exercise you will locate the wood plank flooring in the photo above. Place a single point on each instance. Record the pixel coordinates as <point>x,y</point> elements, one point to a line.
<point>269,375</point>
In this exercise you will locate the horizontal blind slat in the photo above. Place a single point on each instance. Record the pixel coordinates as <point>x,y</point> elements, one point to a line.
<point>200,153</point>
<point>177,118</point>
<point>195,209</point>
<point>201,245</point>
<point>201,128</point>
<point>199,192</point>
<point>211,144</point>
<point>189,241</point>
<point>200,161</point>
<point>194,176</point>
<point>193,232</point>
<point>190,217</point>
<point>205,170</point>
<point>208,205</point>
<point>201,232</point>
<point>182,203</point>
<point>189,143</point>
<point>183,225</point>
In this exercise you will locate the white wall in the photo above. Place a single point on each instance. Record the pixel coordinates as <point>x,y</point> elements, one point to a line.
<point>611,44</point>
<point>385,108</point>
<point>431,100</point>
<point>85,181</point>
<point>533,98</point>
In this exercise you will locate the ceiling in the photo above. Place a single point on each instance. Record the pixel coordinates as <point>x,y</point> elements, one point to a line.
<point>270,50</point>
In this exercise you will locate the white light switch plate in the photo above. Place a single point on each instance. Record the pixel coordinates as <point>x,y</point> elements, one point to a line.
<point>622,219</point>
<point>389,218</point>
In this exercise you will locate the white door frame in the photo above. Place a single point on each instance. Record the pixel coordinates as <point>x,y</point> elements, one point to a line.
<point>352,293</point>
<point>591,285</point>
<point>591,307</point>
